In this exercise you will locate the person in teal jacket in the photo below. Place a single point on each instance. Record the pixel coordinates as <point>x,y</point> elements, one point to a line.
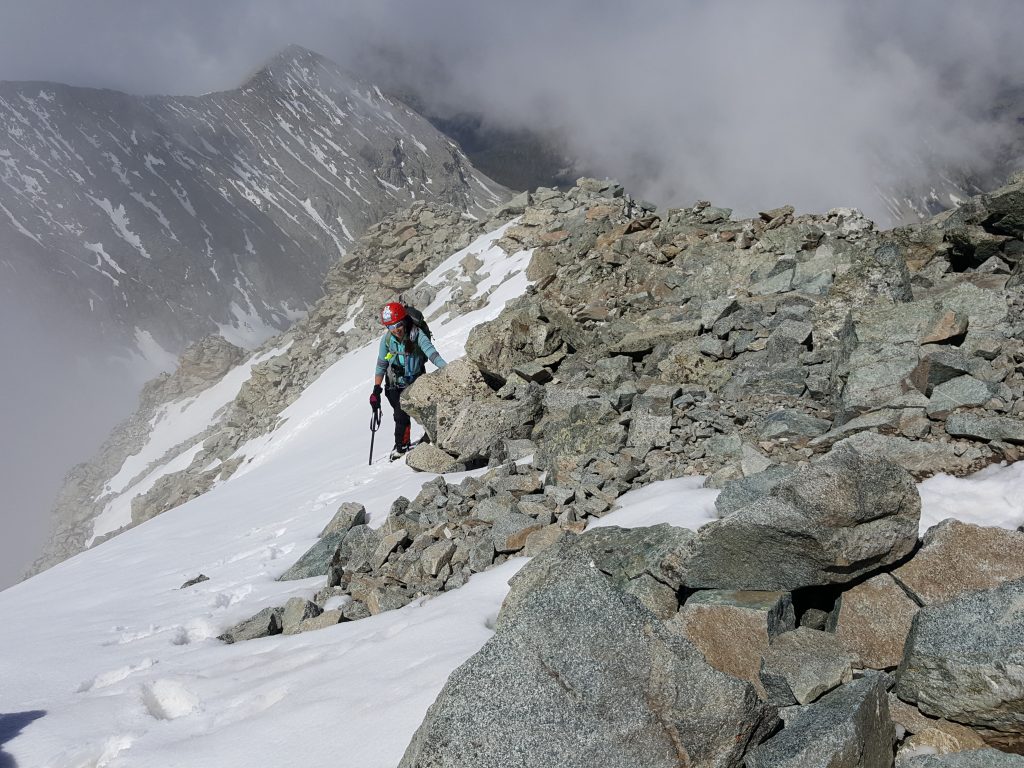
<point>401,359</point>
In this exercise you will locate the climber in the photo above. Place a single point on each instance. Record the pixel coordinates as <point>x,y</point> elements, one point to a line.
<point>404,351</point>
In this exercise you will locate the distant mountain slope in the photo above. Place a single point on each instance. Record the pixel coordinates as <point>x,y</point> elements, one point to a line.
<point>132,226</point>
<point>174,217</point>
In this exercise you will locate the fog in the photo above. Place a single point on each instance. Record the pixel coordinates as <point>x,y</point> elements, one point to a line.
<point>748,104</point>
<point>58,400</point>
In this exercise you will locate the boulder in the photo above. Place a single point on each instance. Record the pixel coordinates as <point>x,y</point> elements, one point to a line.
<point>794,426</point>
<point>296,611</point>
<point>800,666</point>
<point>926,735</point>
<point>358,547</point>
<point>964,660</point>
<point>872,621</point>
<point>828,523</point>
<point>961,392</point>
<point>848,728</point>
<point>317,560</point>
<point>958,557</point>
<point>427,457</point>
<point>975,758</point>
<point>436,556</point>
<point>348,515</point>
<point>509,533</point>
<point>578,674</point>
<point>981,426</point>
<point>266,622</point>
<point>918,457</point>
<point>651,417</point>
<point>733,629</point>
<point>440,394</point>
<point>470,430</point>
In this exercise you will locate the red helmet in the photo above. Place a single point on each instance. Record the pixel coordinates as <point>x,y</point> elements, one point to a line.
<point>392,313</point>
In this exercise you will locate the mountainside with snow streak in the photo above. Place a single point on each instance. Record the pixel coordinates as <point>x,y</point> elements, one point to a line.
<point>158,220</point>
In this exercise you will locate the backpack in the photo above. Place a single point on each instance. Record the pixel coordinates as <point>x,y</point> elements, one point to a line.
<point>417,319</point>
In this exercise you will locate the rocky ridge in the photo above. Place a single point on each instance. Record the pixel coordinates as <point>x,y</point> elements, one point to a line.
<point>811,366</point>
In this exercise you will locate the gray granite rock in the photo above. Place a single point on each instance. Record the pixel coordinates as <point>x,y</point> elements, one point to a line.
<point>296,611</point>
<point>848,728</point>
<point>975,758</point>
<point>738,493</point>
<point>957,557</point>
<point>964,660</point>
<point>981,426</point>
<point>579,674</point>
<point>349,514</point>
<point>801,666</point>
<point>733,629</point>
<point>317,560</point>
<point>829,523</point>
<point>266,622</point>
<point>427,457</point>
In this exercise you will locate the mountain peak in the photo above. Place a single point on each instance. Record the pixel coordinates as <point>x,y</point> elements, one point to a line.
<point>296,63</point>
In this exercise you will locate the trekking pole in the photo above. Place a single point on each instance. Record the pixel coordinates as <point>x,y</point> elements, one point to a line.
<point>374,425</point>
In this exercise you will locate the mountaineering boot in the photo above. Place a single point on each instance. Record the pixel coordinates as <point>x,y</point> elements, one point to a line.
<point>399,451</point>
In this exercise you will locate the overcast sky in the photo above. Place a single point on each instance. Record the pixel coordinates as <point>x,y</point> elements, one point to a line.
<point>748,104</point>
<point>745,103</point>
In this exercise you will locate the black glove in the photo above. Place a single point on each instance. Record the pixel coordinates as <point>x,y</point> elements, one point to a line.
<point>375,397</point>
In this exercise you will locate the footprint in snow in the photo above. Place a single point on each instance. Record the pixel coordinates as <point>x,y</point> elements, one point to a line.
<point>168,699</point>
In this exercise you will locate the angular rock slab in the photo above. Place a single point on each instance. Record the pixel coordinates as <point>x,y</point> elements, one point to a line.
<point>349,514</point>
<point>848,728</point>
<point>872,620</point>
<point>801,666</point>
<point>964,660</point>
<point>830,523</point>
<point>580,674</point>
<point>975,758</point>
<point>928,736</point>
<point>733,629</point>
<point>646,562</point>
<point>266,622</point>
<point>317,560</point>
<point>959,557</point>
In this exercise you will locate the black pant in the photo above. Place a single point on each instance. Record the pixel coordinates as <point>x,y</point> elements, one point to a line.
<point>403,424</point>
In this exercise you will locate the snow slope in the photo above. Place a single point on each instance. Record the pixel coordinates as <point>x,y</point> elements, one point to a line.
<point>107,663</point>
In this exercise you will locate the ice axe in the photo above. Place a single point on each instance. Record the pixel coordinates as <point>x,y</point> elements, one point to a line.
<point>374,426</point>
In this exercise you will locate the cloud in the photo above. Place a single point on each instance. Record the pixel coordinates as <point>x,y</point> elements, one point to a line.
<point>746,103</point>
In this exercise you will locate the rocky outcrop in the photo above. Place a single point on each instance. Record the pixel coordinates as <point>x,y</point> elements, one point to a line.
<point>623,690</point>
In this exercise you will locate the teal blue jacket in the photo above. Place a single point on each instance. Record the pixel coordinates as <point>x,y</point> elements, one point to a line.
<point>401,369</point>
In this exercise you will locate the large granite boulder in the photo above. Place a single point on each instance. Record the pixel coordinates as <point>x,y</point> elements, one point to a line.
<point>848,728</point>
<point>579,673</point>
<point>437,397</point>
<point>964,660</point>
<point>475,426</point>
<point>317,560</point>
<point>960,557</point>
<point>829,523</point>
